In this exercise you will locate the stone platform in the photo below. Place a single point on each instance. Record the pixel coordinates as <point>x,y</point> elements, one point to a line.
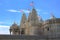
<point>27,37</point>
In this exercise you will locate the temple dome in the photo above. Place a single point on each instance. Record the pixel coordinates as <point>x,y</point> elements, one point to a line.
<point>14,26</point>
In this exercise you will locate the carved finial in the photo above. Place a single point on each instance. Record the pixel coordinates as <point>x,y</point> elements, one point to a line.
<point>14,22</point>
<point>52,16</point>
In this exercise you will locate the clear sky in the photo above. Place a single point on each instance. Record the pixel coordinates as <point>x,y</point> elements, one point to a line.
<point>10,11</point>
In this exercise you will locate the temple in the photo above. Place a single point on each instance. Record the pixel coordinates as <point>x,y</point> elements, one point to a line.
<point>35,26</point>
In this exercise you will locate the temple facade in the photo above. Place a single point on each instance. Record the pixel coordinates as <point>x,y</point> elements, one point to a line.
<point>35,26</point>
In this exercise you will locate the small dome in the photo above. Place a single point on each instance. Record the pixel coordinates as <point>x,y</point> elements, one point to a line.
<point>14,26</point>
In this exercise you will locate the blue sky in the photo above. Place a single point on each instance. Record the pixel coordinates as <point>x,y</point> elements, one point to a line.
<point>10,11</point>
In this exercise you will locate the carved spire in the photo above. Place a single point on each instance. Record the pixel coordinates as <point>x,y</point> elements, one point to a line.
<point>23,19</point>
<point>33,18</point>
<point>29,17</point>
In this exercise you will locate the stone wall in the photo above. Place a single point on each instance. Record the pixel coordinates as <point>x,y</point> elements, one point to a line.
<point>24,37</point>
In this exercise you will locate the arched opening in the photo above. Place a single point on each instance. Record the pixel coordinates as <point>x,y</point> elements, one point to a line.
<point>23,31</point>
